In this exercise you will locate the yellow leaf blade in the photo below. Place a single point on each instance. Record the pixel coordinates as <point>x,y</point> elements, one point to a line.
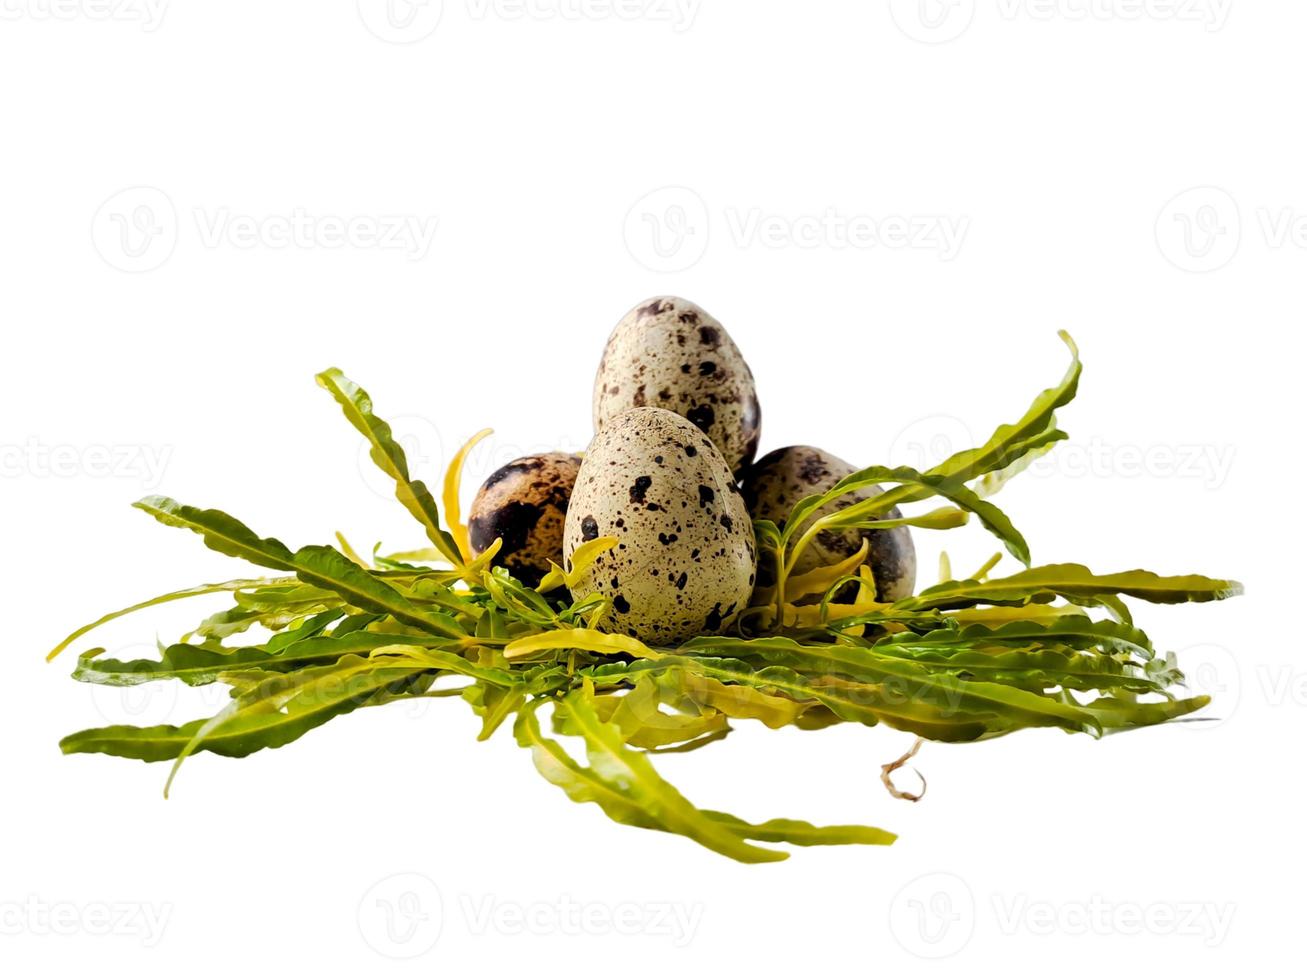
<point>453,482</point>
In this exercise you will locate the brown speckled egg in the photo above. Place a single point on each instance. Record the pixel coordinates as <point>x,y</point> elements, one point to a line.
<point>778,481</point>
<point>524,502</point>
<point>668,353</point>
<point>685,561</point>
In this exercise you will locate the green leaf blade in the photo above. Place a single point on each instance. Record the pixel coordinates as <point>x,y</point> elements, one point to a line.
<point>270,715</point>
<point>220,531</point>
<point>389,456</point>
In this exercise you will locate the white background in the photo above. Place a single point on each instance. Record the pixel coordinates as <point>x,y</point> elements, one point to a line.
<point>1130,171</point>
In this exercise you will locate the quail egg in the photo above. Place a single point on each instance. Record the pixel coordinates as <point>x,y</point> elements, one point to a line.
<point>668,353</point>
<point>685,561</point>
<point>524,503</point>
<point>778,481</point>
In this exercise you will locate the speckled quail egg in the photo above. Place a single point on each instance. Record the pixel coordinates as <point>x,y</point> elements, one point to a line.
<point>778,481</point>
<point>685,560</point>
<point>524,503</point>
<point>668,353</point>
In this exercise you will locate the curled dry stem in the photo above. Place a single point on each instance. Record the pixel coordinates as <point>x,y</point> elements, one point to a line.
<point>888,769</point>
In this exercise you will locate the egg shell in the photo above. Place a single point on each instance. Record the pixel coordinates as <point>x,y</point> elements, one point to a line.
<point>524,503</point>
<point>685,561</point>
<point>778,481</point>
<point>668,353</point>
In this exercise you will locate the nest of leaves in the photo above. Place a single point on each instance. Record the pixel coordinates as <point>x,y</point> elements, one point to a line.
<point>966,659</point>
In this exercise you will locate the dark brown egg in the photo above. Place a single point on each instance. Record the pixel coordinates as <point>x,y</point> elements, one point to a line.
<point>525,503</point>
<point>778,481</point>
